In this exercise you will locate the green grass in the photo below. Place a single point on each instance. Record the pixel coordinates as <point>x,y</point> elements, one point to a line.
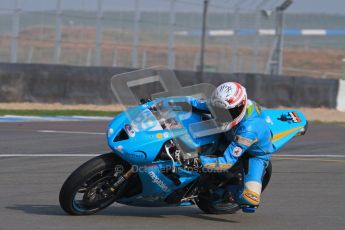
<point>35,112</point>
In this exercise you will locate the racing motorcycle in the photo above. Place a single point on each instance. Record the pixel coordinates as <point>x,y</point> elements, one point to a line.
<point>154,161</point>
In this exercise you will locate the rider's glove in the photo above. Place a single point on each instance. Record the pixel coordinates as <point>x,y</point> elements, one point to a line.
<point>214,164</point>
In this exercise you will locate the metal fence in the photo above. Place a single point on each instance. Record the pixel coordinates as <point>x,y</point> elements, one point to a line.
<point>142,33</point>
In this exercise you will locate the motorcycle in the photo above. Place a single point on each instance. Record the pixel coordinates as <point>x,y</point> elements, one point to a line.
<point>154,161</point>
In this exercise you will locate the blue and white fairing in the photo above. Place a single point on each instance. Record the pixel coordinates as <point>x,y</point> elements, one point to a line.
<point>144,135</point>
<point>138,137</point>
<point>140,131</point>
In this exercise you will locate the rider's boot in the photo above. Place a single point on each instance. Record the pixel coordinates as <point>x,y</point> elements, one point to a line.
<point>249,208</point>
<point>230,197</point>
<point>248,199</point>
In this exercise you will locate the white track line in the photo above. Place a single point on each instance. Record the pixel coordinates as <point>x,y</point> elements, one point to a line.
<point>53,118</point>
<point>301,155</point>
<point>69,132</point>
<point>49,155</point>
<point>91,155</point>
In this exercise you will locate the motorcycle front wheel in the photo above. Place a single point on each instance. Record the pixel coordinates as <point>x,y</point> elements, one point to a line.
<point>87,190</point>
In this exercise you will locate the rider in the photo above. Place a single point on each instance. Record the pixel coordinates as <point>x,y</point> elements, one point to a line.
<point>246,132</point>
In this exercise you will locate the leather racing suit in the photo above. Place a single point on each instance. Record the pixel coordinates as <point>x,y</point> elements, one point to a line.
<point>251,135</point>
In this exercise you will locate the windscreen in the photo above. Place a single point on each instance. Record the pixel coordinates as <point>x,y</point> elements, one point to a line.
<point>132,88</point>
<point>145,121</point>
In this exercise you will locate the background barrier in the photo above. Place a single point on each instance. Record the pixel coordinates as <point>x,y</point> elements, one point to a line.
<point>91,85</point>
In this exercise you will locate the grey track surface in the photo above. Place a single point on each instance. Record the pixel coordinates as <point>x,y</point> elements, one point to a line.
<point>304,193</point>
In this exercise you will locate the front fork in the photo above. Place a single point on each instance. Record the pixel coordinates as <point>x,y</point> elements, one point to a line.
<point>120,183</point>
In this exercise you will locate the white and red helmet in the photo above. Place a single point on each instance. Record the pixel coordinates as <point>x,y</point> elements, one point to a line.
<point>232,97</point>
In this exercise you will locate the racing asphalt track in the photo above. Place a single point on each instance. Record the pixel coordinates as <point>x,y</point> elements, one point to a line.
<point>305,192</point>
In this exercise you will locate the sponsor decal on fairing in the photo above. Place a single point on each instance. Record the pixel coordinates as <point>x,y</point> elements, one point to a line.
<point>237,151</point>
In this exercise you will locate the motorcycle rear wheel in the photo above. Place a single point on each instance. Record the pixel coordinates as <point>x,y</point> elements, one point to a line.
<point>86,190</point>
<point>209,207</point>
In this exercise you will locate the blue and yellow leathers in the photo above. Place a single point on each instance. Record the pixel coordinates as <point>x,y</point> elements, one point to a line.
<point>253,136</point>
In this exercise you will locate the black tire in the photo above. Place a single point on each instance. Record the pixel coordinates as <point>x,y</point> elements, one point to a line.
<point>102,169</point>
<point>207,205</point>
<point>267,176</point>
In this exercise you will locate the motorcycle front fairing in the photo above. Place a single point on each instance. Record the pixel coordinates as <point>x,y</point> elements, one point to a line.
<point>138,137</point>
